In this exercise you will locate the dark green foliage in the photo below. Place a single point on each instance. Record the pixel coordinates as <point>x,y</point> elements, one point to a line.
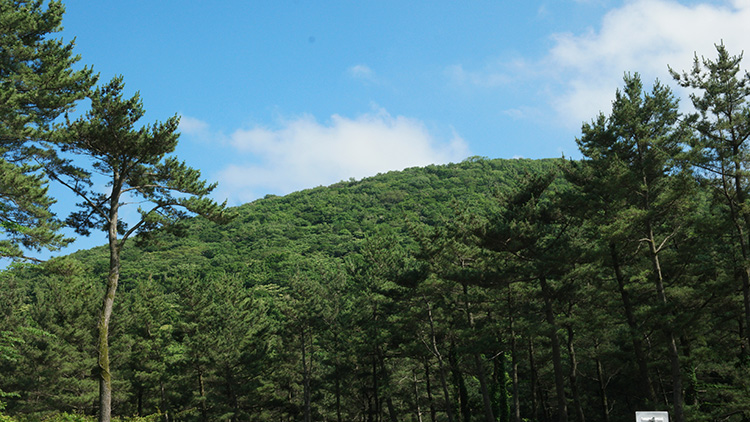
<point>719,148</point>
<point>635,179</point>
<point>37,84</point>
<point>54,328</point>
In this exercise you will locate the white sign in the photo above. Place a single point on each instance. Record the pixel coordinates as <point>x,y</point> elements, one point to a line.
<point>651,417</point>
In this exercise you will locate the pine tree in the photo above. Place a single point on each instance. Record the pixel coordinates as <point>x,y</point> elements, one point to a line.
<point>721,147</point>
<point>138,168</point>
<point>637,150</point>
<point>535,236</point>
<point>37,85</point>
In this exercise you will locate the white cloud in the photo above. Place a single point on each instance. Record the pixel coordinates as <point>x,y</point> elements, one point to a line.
<point>192,126</point>
<point>522,112</point>
<point>642,36</point>
<point>364,73</point>
<point>304,153</point>
<point>490,76</point>
<point>361,71</point>
<point>581,71</point>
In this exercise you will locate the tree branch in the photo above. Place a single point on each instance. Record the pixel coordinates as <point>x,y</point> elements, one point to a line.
<point>143,220</point>
<point>78,192</point>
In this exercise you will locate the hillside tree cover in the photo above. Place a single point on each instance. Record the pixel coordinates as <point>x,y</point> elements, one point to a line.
<point>486,290</point>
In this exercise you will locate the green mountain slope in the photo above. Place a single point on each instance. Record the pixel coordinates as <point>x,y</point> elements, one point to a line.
<point>473,291</point>
<point>273,268</point>
<point>330,221</point>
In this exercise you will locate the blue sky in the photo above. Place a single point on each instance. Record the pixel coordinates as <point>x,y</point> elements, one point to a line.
<point>278,96</point>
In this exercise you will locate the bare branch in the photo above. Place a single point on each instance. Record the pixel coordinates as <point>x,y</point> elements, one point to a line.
<point>671,235</point>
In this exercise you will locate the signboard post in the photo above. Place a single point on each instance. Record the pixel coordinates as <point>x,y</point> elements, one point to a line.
<point>651,417</point>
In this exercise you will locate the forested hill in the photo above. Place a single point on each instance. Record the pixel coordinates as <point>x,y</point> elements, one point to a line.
<point>280,312</point>
<point>326,222</point>
<point>488,290</point>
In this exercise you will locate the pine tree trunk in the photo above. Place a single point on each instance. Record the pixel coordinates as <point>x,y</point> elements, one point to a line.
<point>640,356</point>
<point>446,394</point>
<point>163,397</point>
<point>375,392</point>
<point>139,401</point>
<point>417,408</point>
<point>674,356</point>
<point>202,392</point>
<point>534,382</point>
<point>738,218</point>
<point>746,300</point>
<point>602,390</point>
<point>441,364</point>
<point>460,385</point>
<point>338,396</point>
<point>392,414</point>
<point>501,404</point>
<point>428,386</point>
<point>562,402</point>
<point>105,376</point>
<point>744,241</point>
<point>514,362</point>
<point>486,399</point>
<point>574,376</point>
<point>305,378</point>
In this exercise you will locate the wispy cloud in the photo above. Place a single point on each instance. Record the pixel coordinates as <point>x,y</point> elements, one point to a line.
<point>304,153</point>
<point>362,72</point>
<point>192,126</point>
<point>521,112</point>
<point>491,76</point>
<point>581,71</point>
<point>642,36</point>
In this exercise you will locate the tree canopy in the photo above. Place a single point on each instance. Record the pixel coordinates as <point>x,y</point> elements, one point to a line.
<point>485,290</point>
<point>38,83</point>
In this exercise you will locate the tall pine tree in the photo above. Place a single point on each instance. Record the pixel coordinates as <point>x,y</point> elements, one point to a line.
<point>136,163</point>
<point>635,152</point>
<point>721,148</point>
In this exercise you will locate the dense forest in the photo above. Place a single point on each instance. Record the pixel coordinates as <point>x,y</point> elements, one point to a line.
<point>486,290</point>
